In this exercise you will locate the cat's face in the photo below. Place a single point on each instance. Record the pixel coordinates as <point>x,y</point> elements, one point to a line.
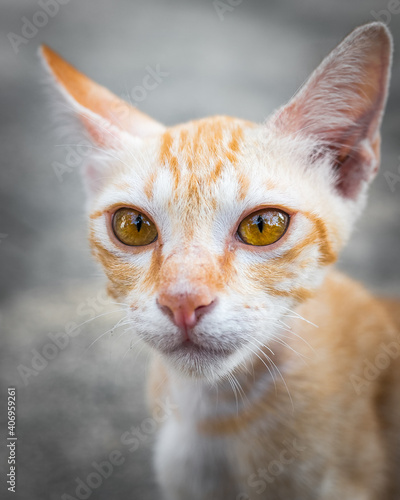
<point>196,183</point>
<point>211,232</point>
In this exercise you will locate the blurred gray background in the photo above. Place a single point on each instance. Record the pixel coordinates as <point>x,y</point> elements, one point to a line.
<point>74,408</point>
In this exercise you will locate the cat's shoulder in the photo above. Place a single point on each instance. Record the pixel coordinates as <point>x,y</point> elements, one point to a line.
<point>351,295</point>
<point>392,306</point>
<point>346,311</point>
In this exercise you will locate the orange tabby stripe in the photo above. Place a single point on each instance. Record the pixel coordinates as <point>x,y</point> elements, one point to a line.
<point>318,235</point>
<point>167,158</point>
<point>123,276</point>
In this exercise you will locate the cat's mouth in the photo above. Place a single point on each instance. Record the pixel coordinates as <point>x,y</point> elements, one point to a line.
<point>196,360</point>
<point>190,346</point>
<point>196,353</point>
<point>189,351</point>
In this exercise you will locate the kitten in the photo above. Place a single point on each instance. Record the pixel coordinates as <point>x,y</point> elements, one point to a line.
<point>219,235</point>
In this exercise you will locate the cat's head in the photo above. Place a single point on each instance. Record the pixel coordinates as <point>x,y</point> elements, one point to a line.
<point>213,231</point>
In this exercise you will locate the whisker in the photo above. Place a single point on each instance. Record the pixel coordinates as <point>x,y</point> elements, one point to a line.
<point>283,380</point>
<point>137,352</point>
<point>240,389</point>
<point>289,330</point>
<point>127,330</point>
<point>281,376</point>
<point>280,341</point>
<point>234,392</point>
<point>98,316</point>
<point>264,363</point>
<point>298,316</point>
<point>105,333</point>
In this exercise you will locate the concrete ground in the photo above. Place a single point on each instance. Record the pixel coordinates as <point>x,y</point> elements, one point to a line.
<point>74,408</point>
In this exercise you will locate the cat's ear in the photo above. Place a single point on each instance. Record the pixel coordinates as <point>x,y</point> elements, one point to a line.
<point>342,103</point>
<point>110,122</point>
<point>102,113</point>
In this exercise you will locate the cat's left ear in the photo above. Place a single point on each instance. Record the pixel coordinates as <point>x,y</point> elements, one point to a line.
<point>110,122</point>
<point>341,106</point>
<point>104,115</point>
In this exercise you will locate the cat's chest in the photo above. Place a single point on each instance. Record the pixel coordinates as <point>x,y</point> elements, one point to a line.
<point>237,442</point>
<point>190,463</point>
<point>197,463</point>
<point>203,450</point>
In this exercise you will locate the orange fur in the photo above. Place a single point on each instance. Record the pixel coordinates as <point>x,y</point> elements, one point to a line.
<point>97,99</point>
<point>321,390</point>
<point>255,385</point>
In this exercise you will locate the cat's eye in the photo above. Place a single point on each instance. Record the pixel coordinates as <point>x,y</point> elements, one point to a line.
<point>263,227</point>
<point>133,228</point>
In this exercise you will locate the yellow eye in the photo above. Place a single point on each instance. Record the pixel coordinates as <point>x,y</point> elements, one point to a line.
<point>133,228</point>
<point>263,227</point>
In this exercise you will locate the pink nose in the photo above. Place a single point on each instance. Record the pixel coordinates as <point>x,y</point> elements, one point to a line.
<point>186,309</point>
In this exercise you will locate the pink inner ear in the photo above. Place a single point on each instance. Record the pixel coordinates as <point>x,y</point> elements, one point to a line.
<point>342,104</point>
<point>360,165</point>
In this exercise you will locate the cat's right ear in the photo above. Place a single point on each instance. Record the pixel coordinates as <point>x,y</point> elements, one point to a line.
<point>341,107</point>
<point>107,118</point>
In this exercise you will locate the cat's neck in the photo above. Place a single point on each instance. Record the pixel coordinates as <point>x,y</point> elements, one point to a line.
<point>258,378</point>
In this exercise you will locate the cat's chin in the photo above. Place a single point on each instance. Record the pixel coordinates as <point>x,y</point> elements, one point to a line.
<point>198,361</point>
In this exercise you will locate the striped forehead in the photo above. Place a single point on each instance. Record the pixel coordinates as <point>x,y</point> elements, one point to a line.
<point>196,162</point>
<point>203,166</point>
<point>207,173</point>
<point>197,153</point>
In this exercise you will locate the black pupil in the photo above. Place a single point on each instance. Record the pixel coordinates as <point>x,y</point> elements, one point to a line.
<point>139,222</point>
<point>260,223</point>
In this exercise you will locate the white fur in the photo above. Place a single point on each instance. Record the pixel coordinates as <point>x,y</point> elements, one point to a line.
<point>286,168</point>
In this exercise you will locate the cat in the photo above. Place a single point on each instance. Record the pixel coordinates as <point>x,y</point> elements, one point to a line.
<point>219,235</point>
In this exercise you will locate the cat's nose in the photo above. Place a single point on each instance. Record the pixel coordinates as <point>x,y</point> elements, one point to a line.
<point>185,309</point>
